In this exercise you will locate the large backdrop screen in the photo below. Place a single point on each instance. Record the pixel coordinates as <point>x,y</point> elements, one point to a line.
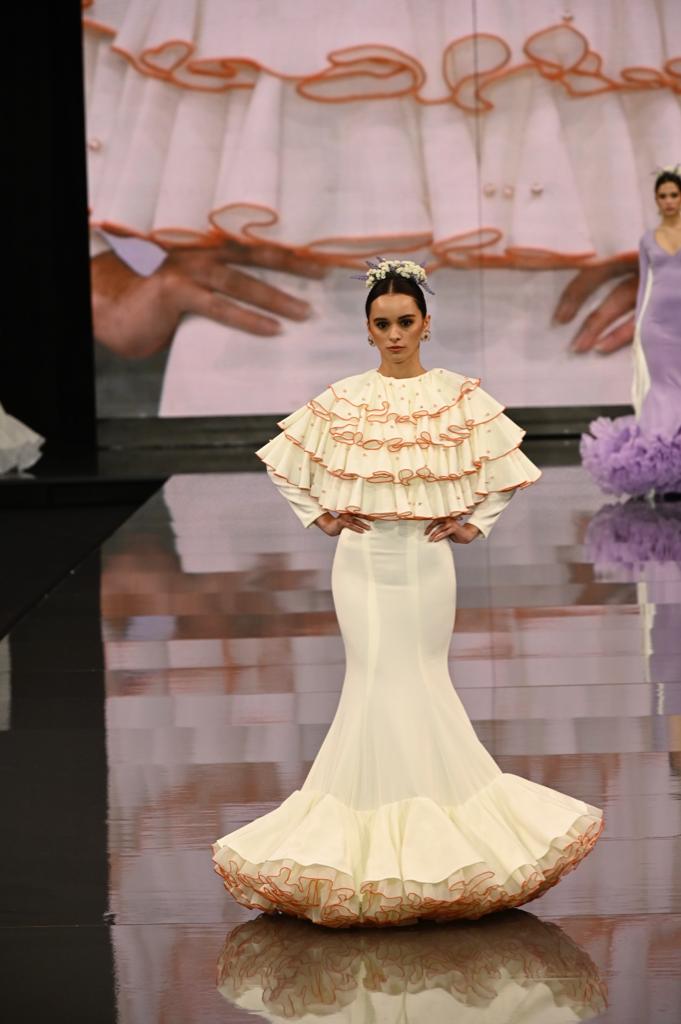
<point>246,156</point>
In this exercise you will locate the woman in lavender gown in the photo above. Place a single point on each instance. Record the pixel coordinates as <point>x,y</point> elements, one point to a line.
<point>640,454</point>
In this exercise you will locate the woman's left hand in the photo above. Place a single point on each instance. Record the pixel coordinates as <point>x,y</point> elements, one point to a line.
<point>449,526</point>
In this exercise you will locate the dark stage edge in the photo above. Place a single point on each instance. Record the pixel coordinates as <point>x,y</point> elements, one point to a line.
<point>180,680</point>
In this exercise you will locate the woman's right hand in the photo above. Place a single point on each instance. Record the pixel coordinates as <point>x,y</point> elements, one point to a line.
<point>333,525</point>
<point>136,316</point>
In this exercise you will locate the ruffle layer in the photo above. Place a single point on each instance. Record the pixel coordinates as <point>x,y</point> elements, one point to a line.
<point>622,460</point>
<point>236,154</point>
<point>19,445</point>
<point>315,857</point>
<point>430,446</point>
<point>288,970</point>
<point>451,55</point>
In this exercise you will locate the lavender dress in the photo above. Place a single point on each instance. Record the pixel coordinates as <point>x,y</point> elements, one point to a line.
<point>642,453</point>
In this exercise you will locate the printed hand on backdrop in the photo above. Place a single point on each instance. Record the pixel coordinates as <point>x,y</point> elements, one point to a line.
<point>594,334</point>
<point>136,316</point>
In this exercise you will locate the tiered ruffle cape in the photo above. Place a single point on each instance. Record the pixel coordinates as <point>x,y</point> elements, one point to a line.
<point>428,446</point>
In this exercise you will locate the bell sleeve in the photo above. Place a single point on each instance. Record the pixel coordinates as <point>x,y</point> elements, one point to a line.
<point>489,509</point>
<point>303,504</point>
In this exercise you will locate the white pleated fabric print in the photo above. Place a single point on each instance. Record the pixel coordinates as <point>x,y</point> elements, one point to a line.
<point>202,124</point>
<point>404,814</point>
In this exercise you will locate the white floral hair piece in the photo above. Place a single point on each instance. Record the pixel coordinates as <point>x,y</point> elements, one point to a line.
<point>380,268</point>
<point>676,169</point>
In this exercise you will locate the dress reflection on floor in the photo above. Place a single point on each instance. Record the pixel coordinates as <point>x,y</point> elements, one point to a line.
<point>509,967</point>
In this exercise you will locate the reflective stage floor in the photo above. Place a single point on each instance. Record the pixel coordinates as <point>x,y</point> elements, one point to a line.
<point>179,682</point>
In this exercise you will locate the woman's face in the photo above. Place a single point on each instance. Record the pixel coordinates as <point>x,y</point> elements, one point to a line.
<point>396,325</point>
<point>668,198</point>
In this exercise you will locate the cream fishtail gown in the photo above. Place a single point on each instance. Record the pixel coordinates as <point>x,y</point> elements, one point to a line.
<point>404,814</point>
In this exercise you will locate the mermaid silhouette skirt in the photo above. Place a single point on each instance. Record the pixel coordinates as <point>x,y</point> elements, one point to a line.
<point>639,454</point>
<point>404,814</point>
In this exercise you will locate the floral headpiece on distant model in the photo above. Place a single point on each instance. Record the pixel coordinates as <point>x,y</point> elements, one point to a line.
<point>676,170</point>
<point>380,268</point>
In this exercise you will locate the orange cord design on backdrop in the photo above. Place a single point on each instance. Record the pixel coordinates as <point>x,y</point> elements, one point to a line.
<point>580,73</point>
<point>392,73</point>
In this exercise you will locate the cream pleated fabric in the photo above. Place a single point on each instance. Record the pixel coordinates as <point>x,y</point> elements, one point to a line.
<point>404,814</point>
<point>428,446</point>
<point>476,116</point>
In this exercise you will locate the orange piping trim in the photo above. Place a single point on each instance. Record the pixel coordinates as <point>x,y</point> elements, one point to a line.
<point>298,900</point>
<point>383,416</point>
<point>548,68</point>
<point>473,381</point>
<point>216,236</point>
<point>399,515</point>
<point>386,477</point>
<point>150,51</point>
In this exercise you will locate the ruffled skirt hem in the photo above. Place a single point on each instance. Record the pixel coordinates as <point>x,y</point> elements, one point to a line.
<point>622,460</point>
<point>335,898</point>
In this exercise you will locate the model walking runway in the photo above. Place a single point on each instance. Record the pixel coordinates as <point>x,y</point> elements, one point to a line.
<point>404,814</point>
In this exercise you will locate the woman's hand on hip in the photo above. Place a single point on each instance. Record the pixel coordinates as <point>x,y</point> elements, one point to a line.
<point>449,526</point>
<point>333,525</point>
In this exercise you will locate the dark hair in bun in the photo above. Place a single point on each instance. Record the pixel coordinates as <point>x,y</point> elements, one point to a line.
<point>668,177</point>
<point>395,284</point>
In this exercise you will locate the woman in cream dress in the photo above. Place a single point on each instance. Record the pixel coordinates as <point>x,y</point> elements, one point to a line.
<point>404,814</point>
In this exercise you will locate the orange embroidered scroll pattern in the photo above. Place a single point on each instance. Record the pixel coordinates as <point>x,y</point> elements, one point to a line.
<point>336,904</point>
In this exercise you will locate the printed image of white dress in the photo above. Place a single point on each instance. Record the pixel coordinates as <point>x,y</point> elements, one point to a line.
<point>199,122</point>
<point>456,137</point>
<point>404,814</point>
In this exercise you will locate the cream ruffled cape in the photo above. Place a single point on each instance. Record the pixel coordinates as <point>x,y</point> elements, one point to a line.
<point>428,446</point>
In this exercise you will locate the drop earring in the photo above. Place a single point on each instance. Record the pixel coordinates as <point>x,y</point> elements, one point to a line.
<point>425,336</point>
<point>371,341</point>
